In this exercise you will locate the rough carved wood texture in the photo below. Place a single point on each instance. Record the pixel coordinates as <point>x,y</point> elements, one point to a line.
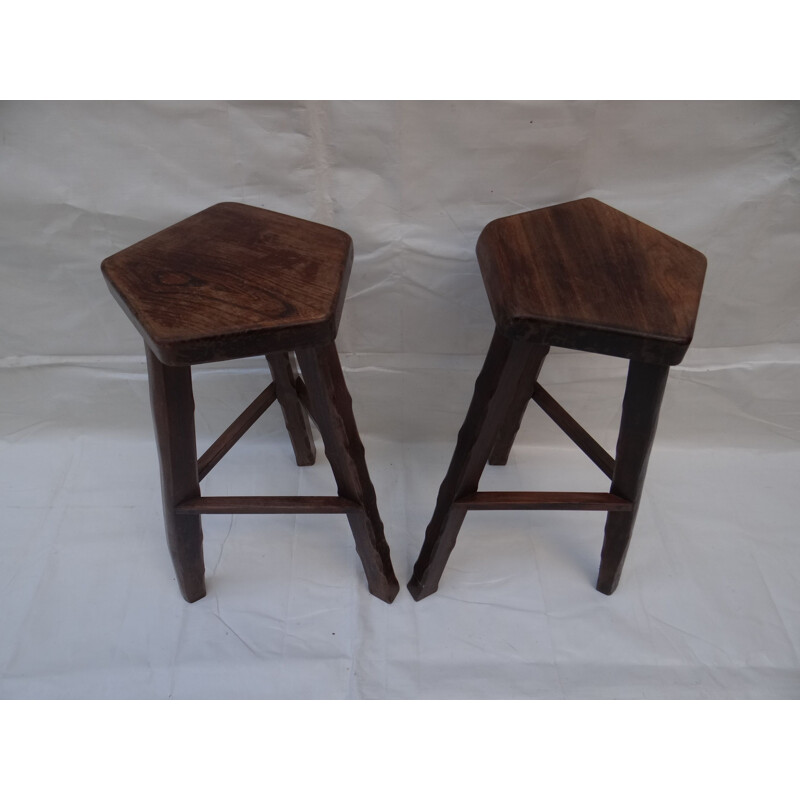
<point>233,281</point>
<point>586,276</point>
<point>508,376</point>
<point>510,371</point>
<point>332,409</point>
<point>230,282</point>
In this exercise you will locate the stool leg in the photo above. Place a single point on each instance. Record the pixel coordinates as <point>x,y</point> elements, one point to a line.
<point>294,414</point>
<point>643,393</point>
<point>332,409</point>
<point>510,426</point>
<point>508,376</point>
<point>173,417</point>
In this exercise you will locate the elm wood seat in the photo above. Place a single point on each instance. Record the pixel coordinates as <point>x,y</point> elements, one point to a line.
<point>585,276</point>
<point>236,281</point>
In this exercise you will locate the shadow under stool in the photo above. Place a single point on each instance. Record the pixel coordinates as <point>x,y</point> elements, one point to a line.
<point>584,276</point>
<point>236,281</point>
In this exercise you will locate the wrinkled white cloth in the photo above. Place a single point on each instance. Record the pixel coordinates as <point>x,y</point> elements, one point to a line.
<point>709,599</point>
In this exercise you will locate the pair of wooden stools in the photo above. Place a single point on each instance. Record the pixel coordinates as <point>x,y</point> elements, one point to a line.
<point>235,281</point>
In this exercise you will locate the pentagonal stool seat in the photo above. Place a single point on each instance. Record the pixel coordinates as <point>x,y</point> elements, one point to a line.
<point>236,281</point>
<point>233,281</point>
<point>585,276</point>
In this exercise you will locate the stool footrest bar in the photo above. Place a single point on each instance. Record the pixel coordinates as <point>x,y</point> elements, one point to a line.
<point>235,431</point>
<point>311,504</point>
<point>552,501</point>
<point>579,436</point>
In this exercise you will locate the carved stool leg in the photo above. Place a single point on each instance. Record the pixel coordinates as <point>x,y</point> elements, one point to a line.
<point>332,409</point>
<point>508,375</point>
<point>643,393</point>
<point>510,426</point>
<point>294,414</point>
<point>173,417</point>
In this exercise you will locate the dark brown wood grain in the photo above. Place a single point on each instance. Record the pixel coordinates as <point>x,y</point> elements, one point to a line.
<point>233,281</point>
<point>509,373</point>
<point>332,409</point>
<point>172,403</point>
<point>586,276</point>
<point>640,407</point>
<point>294,413</point>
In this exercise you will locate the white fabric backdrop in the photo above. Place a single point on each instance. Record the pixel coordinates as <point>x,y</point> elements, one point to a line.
<point>708,605</point>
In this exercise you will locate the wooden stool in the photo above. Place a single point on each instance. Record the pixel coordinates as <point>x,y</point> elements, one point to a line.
<point>584,276</point>
<point>230,282</point>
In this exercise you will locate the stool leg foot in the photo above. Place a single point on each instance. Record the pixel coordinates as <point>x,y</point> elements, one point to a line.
<point>439,543</point>
<point>509,374</point>
<point>172,402</point>
<point>332,409</point>
<point>294,414</point>
<point>618,532</point>
<point>510,426</point>
<point>643,394</point>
